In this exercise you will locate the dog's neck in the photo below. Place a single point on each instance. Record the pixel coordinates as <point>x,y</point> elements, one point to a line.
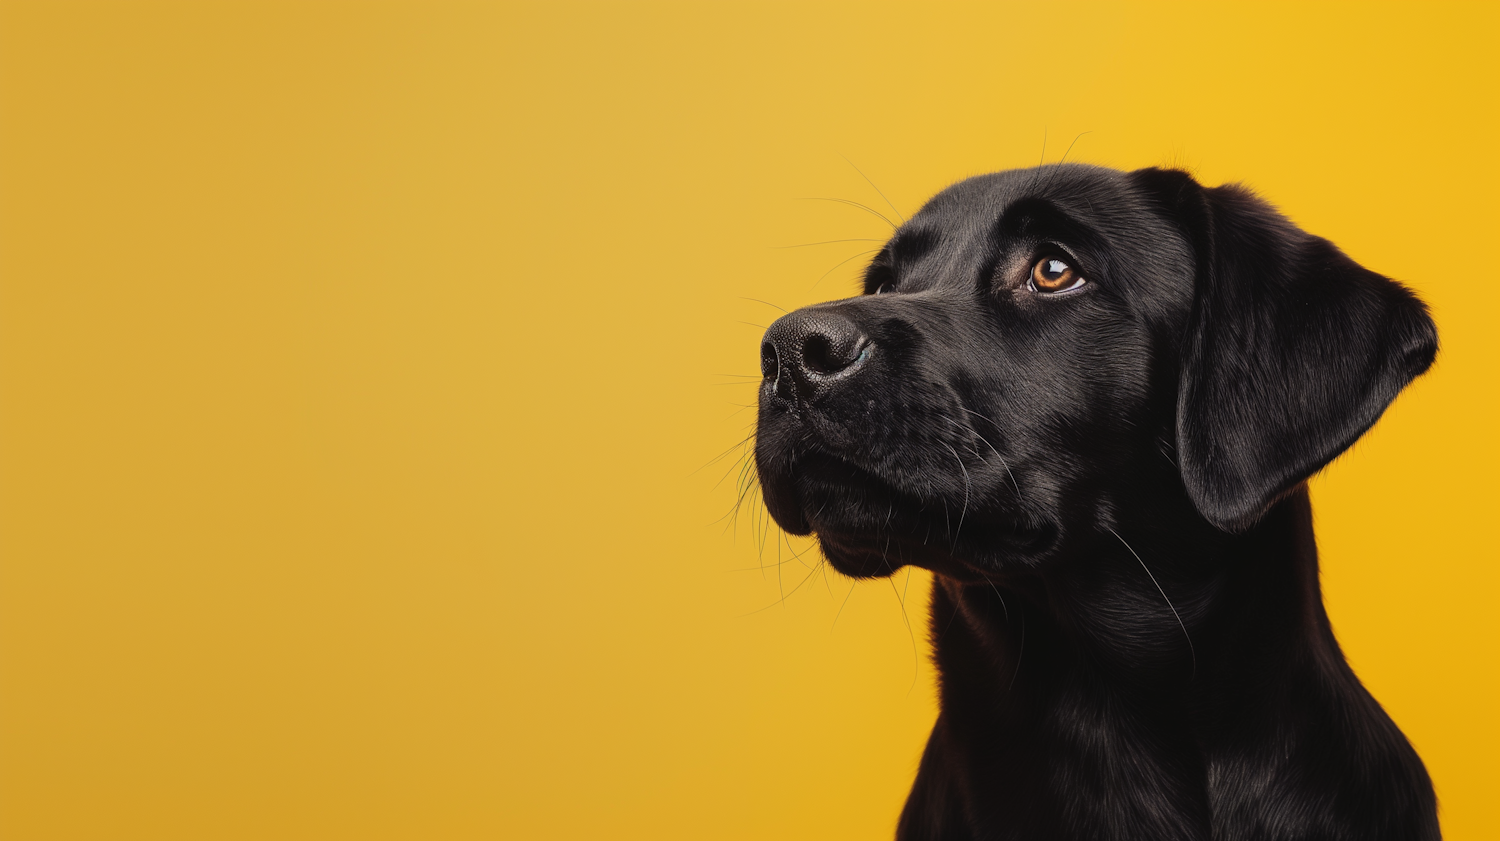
<point>1154,606</point>
<point>1136,684</point>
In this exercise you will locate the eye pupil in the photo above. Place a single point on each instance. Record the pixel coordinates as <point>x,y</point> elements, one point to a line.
<point>1055,269</point>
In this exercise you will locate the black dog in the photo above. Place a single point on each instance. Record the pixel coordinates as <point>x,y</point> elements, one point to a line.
<point>1088,401</point>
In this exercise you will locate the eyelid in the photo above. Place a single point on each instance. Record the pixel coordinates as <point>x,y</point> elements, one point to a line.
<point>1053,249</point>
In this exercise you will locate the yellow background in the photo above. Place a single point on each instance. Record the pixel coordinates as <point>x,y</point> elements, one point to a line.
<point>356,361</point>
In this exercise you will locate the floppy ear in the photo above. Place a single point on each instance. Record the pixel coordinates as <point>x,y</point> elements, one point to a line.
<point>1291,352</point>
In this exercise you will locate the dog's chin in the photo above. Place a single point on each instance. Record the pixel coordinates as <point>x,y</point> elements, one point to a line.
<point>992,552</point>
<point>865,556</point>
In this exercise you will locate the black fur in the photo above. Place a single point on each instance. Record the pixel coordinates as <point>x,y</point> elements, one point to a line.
<point>1109,485</point>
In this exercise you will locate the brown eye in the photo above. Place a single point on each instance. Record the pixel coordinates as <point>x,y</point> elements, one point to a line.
<point>1051,274</point>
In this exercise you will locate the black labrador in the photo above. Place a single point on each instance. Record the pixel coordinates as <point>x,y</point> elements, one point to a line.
<point>1089,401</point>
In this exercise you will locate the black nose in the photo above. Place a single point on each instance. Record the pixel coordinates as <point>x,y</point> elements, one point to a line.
<point>806,350</point>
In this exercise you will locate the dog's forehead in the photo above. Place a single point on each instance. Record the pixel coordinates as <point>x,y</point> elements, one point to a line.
<point>972,206</point>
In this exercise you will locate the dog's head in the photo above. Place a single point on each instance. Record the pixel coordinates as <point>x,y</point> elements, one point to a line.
<point>1038,352</point>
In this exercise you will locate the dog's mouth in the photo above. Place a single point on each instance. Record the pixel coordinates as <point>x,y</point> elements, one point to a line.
<point>868,528</point>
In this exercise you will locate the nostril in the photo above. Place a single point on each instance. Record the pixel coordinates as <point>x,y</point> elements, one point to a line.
<point>768,362</point>
<point>816,353</point>
<point>823,357</point>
